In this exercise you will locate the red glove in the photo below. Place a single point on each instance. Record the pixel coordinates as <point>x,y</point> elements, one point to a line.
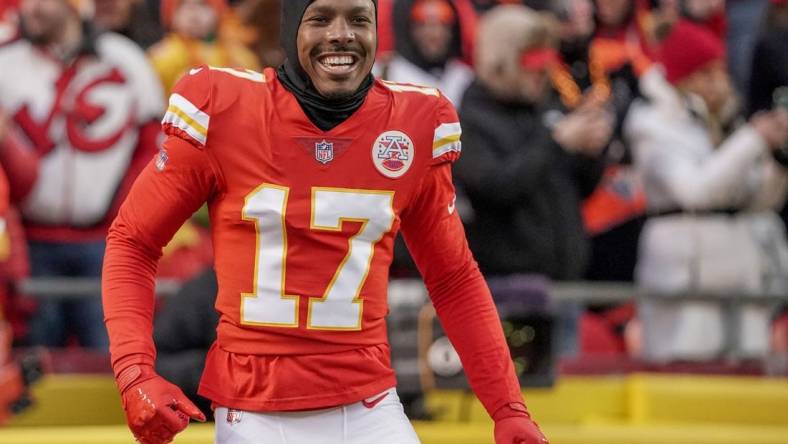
<point>513,425</point>
<point>156,410</point>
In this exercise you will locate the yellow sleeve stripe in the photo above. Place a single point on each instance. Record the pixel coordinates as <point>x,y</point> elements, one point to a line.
<point>447,139</point>
<point>188,120</point>
<point>444,141</point>
<point>183,115</point>
<point>448,148</point>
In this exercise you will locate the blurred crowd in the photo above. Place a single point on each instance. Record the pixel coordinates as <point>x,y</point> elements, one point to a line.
<point>611,140</point>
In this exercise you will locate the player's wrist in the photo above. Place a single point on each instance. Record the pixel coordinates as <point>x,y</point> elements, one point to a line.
<point>511,410</point>
<point>133,375</point>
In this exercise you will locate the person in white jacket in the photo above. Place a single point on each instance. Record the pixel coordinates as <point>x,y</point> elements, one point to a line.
<point>711,192</point>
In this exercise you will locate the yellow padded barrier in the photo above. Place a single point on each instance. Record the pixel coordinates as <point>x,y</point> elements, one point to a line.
<point>571,400</point>
<point>73,399</point>
<point>640,399</point>
<point>636,400</point>
<point>441,433</point>
<point>708,399</point>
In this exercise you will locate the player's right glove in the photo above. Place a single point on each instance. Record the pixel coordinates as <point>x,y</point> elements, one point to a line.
<point>156,410</point>
<point>513,425</point>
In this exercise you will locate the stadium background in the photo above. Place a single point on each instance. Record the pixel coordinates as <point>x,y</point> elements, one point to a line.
<point>591,388</point>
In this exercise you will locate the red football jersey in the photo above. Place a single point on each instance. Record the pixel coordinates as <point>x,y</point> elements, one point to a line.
<point>303,224</point>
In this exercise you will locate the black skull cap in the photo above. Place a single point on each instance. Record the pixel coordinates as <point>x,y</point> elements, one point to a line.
<point>292,13</point>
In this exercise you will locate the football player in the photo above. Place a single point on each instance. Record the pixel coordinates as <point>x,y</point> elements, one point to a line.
<point>309,172</point>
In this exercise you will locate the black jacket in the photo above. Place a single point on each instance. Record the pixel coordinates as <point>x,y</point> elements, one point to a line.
<point>525,190</point>
<point>769,69</point>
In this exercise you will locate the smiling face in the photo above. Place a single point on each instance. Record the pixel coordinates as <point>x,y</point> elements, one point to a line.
<point>336,45</point>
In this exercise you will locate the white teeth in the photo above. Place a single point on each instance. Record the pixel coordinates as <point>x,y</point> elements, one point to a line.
<point>337,60</point>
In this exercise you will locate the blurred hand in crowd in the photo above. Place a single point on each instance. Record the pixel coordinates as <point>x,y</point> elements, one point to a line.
<point>772,126</point>
<point>586,130</point>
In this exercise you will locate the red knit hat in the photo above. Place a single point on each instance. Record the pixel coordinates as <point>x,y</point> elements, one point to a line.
<point>687,49</point>
<point>168,8</point>
<point>426,10</point>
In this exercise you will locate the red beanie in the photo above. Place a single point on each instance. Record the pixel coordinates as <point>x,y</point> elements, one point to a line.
<point>688,48</point>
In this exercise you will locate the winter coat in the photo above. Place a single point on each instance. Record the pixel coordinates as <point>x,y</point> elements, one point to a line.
<point>715,230</point>
<point>524,189</point>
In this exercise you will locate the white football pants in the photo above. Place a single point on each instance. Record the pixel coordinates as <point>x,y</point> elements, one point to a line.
<point>379,419</point>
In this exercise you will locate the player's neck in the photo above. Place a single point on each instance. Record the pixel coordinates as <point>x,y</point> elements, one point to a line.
<point>323,112</point>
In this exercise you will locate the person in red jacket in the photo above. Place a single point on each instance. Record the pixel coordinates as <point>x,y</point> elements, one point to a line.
<point>309,172</point>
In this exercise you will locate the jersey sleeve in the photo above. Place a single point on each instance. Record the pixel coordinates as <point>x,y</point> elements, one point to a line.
<point>188,113</point>
<point>446,144</point>
<point>167,192</point>
<point>435,237</point>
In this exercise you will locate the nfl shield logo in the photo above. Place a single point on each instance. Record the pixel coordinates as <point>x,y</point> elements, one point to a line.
<point>324,152</point>
<point>234,416</point>
<point>161,159</point>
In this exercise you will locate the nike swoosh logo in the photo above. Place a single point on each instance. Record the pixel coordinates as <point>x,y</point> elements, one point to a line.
<point>374,402</point>
<point>194,71</point>
<point>452,205</point>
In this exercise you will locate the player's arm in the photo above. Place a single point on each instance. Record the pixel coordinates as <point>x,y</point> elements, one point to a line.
<point>436,239</point>
<point>167,192</point>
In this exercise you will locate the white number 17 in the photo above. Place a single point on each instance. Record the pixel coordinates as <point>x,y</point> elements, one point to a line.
<point>340,307</point>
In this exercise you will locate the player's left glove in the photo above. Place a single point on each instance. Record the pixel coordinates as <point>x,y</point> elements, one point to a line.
<point>513,425</point>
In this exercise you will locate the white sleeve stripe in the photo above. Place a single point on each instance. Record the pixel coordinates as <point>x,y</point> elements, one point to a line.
<point>451,147</point>
<point>446,130</point>
<point>179,123</point>
<point>190,110</point>
<point>247,74</point>
<point>398,87</point>
<point>175,113</point>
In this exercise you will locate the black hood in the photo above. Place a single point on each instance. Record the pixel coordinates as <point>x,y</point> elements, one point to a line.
<point>324,113</point>
<point>407,48</point>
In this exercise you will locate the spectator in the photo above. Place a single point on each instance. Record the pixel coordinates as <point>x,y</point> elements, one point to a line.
<point>710,188</point>
<point>429,46</point>
<point>87,107</point>
<point>770,63</point>
<point>613,214</point>
<point>194,38</point>
<point>623,35</point>
<point>745,18</point>
<point>769,78</point>
<point>525,177</point>
<point>130,18</point>
<point>258,27</point>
